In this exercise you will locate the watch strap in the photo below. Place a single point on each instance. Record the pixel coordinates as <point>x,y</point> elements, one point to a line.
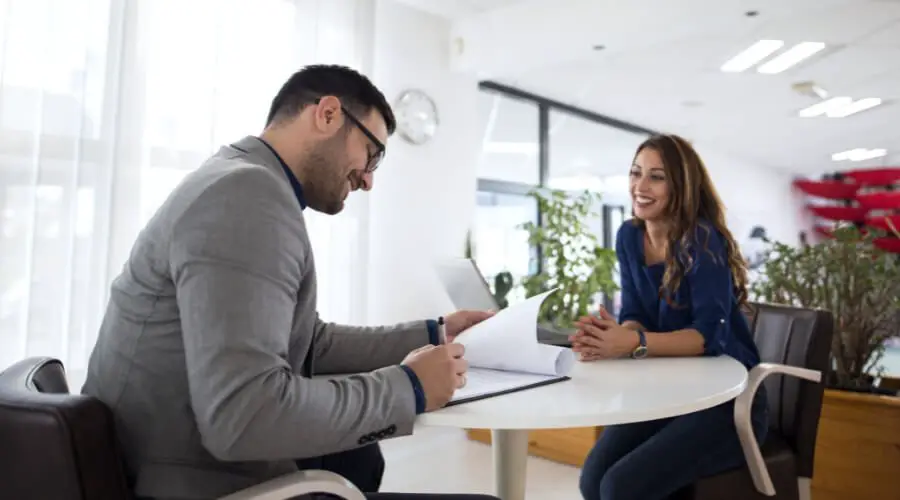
<point>641,350</point>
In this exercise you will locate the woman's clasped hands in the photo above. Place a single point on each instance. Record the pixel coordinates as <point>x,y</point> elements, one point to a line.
<point>601,337</point>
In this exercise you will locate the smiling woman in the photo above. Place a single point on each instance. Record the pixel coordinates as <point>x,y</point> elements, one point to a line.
<point>683,286</point>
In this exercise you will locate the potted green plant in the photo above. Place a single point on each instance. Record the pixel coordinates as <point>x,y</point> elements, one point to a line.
<point>574,260</point>
<point>860,285</point>
<point>856,281</point>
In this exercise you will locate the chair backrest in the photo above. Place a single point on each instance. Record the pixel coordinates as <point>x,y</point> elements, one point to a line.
<point>797,337</point>
<point>54,444</point>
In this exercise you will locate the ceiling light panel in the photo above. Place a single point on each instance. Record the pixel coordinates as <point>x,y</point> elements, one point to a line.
<point>825,107</point>
<point>752,55</point>
<point>853,107</point>
<point>859,154</point>
<point>839,107</point>
<point>790,57</point>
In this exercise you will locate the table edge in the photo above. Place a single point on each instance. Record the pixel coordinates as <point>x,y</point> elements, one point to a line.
<point>494,423</point>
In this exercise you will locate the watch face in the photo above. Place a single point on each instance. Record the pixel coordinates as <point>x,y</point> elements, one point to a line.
<point>639,353</point>
<point>417,116</point>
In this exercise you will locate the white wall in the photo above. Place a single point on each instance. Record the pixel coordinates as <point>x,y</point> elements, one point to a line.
<point>756,195</point>
<point>423,199</point>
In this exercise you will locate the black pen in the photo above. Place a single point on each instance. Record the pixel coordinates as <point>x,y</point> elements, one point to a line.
<point>442,331</point>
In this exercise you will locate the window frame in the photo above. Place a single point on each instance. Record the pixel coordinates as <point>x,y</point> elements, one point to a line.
<point>544,106</point>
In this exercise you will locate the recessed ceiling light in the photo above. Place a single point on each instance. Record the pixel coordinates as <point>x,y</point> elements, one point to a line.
<point>854,107</point>
<point>859,154</point>
<point>823,107</point>
<point>790,57</point>
<point>752,55</point>
<point>839,107</point>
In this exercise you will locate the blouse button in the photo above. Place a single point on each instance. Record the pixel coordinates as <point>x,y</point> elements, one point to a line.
<point>721,321</point>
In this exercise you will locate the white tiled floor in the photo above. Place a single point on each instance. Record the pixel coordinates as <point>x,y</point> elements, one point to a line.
<point>437,460</point>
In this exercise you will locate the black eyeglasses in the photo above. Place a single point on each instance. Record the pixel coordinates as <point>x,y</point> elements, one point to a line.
<point>374,159</point>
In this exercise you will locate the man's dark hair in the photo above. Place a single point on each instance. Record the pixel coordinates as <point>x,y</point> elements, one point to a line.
<point>356,92</point>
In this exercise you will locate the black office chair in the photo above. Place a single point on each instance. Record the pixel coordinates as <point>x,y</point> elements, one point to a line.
<point>61,446</point>
<point>794,345</point>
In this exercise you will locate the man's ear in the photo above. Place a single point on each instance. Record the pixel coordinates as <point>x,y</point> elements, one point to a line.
<point>327,113</point>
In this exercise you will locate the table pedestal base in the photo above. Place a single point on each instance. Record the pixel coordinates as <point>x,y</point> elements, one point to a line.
<point>510,449</point>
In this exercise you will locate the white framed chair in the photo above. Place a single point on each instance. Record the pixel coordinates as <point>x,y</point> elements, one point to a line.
<point>794,345</point>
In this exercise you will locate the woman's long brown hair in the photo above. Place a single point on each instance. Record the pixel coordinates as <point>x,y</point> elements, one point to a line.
<point>692,197</point>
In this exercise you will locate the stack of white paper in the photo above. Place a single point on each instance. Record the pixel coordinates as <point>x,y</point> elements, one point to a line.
<point>504,354</point>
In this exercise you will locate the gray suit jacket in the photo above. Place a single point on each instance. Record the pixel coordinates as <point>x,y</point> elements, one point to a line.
<point>211,332</point>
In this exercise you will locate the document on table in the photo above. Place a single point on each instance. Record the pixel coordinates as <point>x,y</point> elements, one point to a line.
<point>484,383</point>
<point>504,354</point>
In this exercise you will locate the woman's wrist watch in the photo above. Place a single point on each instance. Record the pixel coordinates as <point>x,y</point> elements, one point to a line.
<point>640,351</point>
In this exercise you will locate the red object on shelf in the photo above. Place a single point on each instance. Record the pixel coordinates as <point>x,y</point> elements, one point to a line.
<point>884,221</point>
<point>888,244</point>
<point>875,177</point>
<point>849,214</point>
<point>882,200</point>
<point>831,190</point>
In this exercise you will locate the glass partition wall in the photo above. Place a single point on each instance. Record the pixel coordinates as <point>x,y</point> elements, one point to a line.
<point>535,143</point>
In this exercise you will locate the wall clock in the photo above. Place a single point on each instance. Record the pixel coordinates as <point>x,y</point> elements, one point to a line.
<point>417,116</point>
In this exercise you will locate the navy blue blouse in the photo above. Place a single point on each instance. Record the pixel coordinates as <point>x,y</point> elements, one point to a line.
<point>704,301</point>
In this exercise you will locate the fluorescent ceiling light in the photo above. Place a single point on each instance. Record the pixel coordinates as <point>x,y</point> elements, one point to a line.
<point>839,107</point>
<point>752,55</point>
<point>859,154</point>
<point>520,148</point>
<point>854,107</point>
<point>790,57</point>
<point>824,107</point>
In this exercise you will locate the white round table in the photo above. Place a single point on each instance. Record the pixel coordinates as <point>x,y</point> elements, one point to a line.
<point>599,393</point>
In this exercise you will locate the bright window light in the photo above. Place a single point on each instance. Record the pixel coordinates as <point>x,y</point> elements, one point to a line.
<point>521,148</point>
<point>790,57</point>
<point>752,55</point>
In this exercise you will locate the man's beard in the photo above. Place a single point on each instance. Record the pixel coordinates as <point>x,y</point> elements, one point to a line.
<point>324,183</point>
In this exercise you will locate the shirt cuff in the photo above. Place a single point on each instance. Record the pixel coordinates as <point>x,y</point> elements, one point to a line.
<point>417,389</point>
<point>434,337</point>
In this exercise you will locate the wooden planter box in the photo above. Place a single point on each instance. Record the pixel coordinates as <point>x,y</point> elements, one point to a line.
<point>857,448</point>
<point>568,446</point>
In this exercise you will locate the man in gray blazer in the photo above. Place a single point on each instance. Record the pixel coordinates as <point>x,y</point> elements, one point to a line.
<point>211,353</point>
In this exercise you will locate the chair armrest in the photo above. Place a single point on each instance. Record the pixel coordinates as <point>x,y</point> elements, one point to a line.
<point>300,483</point>
<point>742,419</point>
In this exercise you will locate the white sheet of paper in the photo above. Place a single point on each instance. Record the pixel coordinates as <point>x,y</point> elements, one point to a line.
<point>508,341</point>
<point>484,381</point>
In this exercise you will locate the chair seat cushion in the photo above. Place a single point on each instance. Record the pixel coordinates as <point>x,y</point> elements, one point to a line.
<point>737,484</point>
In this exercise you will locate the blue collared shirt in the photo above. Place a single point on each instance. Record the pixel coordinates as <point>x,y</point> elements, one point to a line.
<point>705,300</point>
<point>295,184</point>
